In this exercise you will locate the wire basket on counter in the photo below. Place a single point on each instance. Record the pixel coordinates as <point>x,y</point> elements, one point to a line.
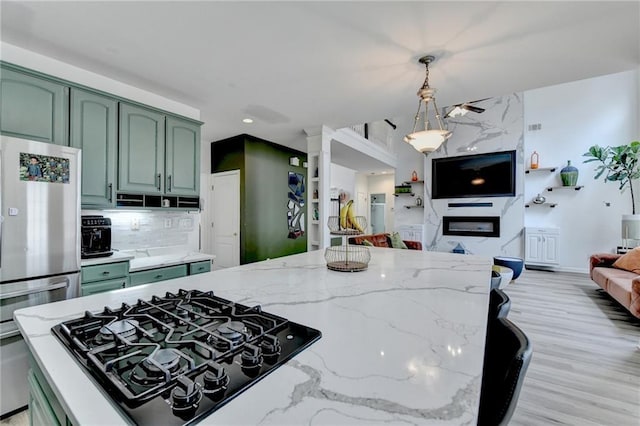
<point>347,258</point>
<point>336,229</point>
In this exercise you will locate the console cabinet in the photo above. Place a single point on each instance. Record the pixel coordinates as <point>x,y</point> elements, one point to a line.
<point>542,246</point>
<point>33,108</point>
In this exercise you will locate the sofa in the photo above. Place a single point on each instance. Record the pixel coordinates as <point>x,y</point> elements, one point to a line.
<point>382,240</point>
<point>622,285</point>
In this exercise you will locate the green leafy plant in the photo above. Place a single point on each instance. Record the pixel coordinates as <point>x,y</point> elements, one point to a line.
<point>620,163</point>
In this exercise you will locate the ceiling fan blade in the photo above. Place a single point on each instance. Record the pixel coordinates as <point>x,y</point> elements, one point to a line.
<point>473,108</point>
<point>477,100</point>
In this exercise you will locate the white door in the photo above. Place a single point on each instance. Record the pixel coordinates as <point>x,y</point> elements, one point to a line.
<point>224,218</point>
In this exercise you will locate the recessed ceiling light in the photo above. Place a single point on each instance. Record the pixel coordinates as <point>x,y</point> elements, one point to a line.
<point>384,173</point>
<point>247,120</point>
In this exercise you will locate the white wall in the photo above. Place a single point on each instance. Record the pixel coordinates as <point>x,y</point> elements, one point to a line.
<point>344,180</point>
<point>575,116</point>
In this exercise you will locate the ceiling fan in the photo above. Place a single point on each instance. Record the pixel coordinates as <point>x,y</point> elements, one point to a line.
<point>463,108</point>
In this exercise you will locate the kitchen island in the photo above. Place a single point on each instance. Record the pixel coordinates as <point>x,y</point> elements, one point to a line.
<point>402,342</point>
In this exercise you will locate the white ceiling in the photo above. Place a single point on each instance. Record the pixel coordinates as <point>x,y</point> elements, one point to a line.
<point>296,65</point>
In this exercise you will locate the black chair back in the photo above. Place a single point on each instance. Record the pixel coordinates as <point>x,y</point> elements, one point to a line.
<point>507,355</point>
<point>499,304</point>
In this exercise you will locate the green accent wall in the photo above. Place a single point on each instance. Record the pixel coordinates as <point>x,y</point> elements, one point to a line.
<point>264,169</point>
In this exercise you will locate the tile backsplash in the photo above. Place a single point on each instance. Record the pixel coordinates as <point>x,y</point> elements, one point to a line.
<point>134,230</point>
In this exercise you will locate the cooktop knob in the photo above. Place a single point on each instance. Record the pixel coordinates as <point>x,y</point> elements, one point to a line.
<point>270,346</point>
<point>186,396</point>
<point>251,356</point>
<point>215,380</point>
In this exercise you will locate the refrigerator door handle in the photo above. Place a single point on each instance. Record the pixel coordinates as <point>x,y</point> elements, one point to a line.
<point>29,291</point>
<point>8,334</point>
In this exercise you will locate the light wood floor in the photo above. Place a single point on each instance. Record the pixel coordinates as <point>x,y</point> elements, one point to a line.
<point>585,368</point>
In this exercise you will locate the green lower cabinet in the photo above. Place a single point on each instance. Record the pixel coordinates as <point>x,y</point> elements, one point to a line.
<point>104,277</point>
<point>40,412</point>
<point>158,274</point>
<point>102,286</point>
<point>44,407</point>
<point>199,267</point>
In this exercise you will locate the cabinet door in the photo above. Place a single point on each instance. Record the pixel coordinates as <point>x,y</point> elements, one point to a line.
<point>533,248</point>
<point>183,157</point>
<point>33,108</point>
<point>199,267</point>
<point>141,150</point>
<point>40,413</point>
<point>106,271</point>
<point>104,286</point>
<point>159,274</point>
<point>550,249</point>
<point>94,128</point>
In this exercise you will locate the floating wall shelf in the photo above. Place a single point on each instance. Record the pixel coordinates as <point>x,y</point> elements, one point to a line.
<point>409,182</point>
<point>542,169</point>
<point>576,188</point>
<point>552,205</point>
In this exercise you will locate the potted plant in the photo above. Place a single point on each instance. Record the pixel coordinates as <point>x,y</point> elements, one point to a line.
<point>621,164</point>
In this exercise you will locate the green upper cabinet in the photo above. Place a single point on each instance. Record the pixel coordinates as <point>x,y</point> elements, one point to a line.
<point>141,153</point>
<point>33,108</point>
<point>94,126</point>
<point>183,157</point>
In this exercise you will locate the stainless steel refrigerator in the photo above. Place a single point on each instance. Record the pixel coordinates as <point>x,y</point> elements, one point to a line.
<point>39,245</point>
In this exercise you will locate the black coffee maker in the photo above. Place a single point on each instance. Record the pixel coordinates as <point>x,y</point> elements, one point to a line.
<point>96,237</point>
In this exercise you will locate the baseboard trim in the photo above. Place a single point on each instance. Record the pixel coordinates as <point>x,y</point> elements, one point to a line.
<point>581,271</point>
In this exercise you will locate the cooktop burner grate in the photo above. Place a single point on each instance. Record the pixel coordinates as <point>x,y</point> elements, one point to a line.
<point>187,353</point>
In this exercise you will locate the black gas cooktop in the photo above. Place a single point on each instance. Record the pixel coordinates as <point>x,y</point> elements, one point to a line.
<point>178,358</point>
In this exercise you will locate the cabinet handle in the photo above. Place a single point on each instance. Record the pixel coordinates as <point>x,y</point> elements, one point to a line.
<point>158,276</point>
<point>106,273</point>
<point>159,177</point>
<point>169,184</point>
<point>110,186</point>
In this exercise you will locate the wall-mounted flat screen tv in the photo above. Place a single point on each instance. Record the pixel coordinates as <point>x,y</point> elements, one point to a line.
<point>483,175</point>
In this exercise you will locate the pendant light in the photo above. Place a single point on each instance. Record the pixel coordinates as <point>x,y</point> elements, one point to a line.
<point>427,140</point>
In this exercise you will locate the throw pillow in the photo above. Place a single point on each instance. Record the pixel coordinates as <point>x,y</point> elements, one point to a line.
<point>396,241</point>
<point>629,261</point>
<point>367,243</point>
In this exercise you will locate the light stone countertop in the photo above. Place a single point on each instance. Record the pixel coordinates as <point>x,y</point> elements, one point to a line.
<point>141,260</point>
<point>114,258</point>
<point>143,263</point>
<point>402,342</point>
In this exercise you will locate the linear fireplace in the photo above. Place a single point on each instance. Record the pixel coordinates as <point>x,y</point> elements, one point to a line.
<point>473,226</point>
